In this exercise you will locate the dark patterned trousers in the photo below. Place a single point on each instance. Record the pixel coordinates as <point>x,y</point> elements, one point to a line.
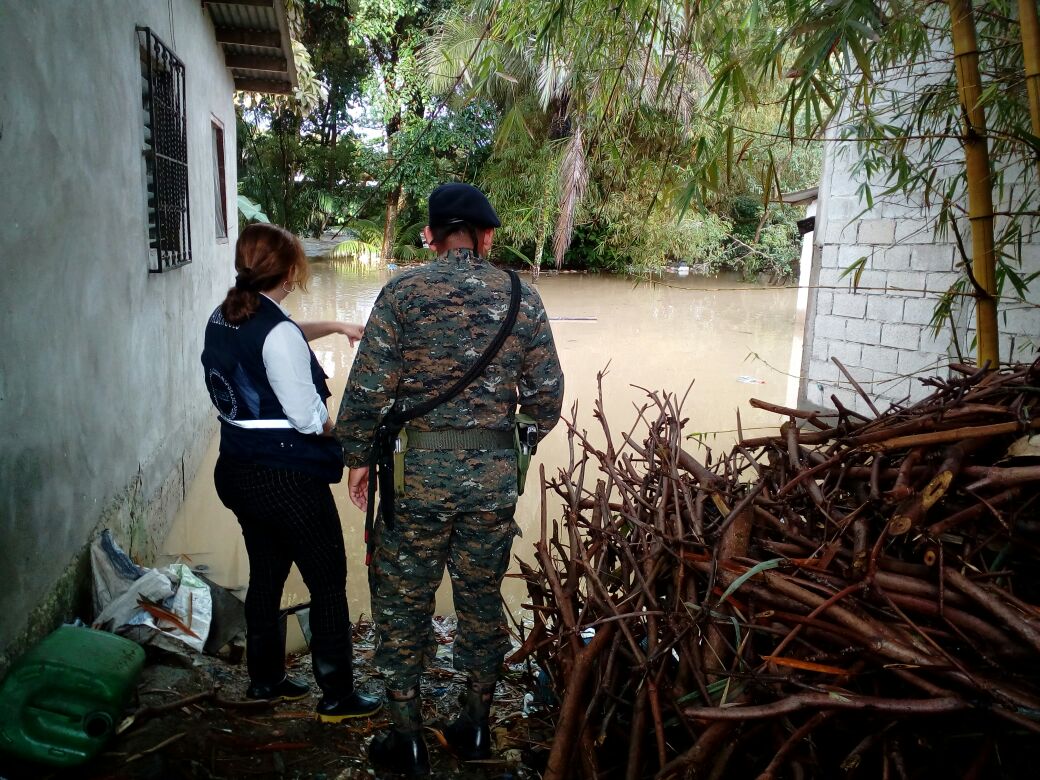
<point>288,517</point>
<point>407,567</point>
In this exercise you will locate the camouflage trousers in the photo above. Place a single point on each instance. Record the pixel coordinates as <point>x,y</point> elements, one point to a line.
<point>406,569</point>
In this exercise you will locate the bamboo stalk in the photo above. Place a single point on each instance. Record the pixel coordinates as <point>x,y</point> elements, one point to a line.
<point>979,179</point>
<point>1029,18</point>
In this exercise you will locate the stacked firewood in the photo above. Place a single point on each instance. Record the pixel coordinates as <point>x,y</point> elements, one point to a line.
<point>852,596</point>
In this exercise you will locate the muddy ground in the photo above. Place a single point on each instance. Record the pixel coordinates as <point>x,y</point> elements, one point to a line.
<point>222,736</point>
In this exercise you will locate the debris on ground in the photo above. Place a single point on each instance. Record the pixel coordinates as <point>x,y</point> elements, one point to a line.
<point>850,597</point>
<point>191,720</point>
<point>171,607</point>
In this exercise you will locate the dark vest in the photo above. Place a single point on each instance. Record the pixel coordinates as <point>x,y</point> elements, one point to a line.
<point>236,378</point>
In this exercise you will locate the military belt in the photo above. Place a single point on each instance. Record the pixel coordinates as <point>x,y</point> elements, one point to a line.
<point>460,439</point>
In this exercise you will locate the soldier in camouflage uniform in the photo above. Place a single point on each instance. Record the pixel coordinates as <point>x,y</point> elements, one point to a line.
<point>427,327</point>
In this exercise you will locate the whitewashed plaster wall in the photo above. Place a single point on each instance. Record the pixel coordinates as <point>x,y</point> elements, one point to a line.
<point>103,412</point>
<point>880,331</point>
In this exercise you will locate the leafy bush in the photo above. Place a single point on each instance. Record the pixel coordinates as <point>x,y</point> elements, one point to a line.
<point>775,252</point>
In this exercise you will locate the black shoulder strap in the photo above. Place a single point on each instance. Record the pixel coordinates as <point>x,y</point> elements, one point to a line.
<point>400,418</point>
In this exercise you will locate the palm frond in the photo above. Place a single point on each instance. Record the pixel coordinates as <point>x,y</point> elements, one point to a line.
<point>552,79</point>
<point>412,254</point>
<point>355,248</point>
<point>574,178</point>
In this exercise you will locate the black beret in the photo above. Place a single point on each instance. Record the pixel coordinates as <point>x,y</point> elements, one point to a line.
<point>461,202</point>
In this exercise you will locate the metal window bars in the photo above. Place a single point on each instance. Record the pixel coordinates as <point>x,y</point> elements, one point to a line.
<point>165,153</point>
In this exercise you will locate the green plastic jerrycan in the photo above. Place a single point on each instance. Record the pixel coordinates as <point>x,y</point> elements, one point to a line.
<point>63,699</point>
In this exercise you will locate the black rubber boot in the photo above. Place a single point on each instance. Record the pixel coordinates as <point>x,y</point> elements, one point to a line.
<point>352,705</point>
<point>265,660</point>
<point>402,750</point>
<point>288,689</point>
<point>334,673</point>
<point>469,735</point>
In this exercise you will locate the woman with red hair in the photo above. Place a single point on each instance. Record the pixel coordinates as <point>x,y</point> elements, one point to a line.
<point>276,463</point>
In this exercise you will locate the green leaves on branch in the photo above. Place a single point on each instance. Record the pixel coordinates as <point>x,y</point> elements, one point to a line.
<point>364,237</point>
<point>248,211</point>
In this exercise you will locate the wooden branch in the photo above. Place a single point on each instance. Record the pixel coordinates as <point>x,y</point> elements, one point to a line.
<point>957,434</point>
<point>831,701</point>
<point>855,384</point>
<point>653,548</point>
<point>151,711</point>
<point>811,417</point>
<point>707,745</point>
<point>971,513</point>
<point>1006,477</point>
<point>571,708</point>
<point>799,734</point>
<point>1014,620</point>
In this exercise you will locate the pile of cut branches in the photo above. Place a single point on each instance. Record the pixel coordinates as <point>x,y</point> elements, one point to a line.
<point>849,597</point>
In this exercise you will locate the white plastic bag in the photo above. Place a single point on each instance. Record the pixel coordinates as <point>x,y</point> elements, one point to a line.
<point>153,586</point>
<point>120,585</point>
<point>192,604</point>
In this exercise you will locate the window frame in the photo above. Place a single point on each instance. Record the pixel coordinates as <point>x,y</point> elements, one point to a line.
<point>167,175</point>
<point>220,149</point>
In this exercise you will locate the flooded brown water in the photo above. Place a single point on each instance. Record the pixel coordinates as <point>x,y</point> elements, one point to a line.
<point>659,336</point>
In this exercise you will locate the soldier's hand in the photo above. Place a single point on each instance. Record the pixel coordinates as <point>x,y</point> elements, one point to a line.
<point>357,486</point>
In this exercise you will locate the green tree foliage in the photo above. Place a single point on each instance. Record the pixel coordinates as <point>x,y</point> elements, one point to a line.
<point>302,162</point>
<point>452,144</point>
<point>390,33</point>
<point>933,96</point>
<point>601,109</point>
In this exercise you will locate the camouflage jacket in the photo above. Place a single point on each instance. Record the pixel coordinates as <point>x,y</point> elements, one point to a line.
<point>427,327</point>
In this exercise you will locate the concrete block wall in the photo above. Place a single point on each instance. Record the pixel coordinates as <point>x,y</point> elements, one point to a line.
<point>103,411</point>
<point>879,327</point>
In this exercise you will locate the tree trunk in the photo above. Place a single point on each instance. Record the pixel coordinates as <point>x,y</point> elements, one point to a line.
<point>394,202</point>
<point>1028,17</point>
<point>395,195</point>
<point>980,184</point>
<point>543,225</point>
<point>539,244</point>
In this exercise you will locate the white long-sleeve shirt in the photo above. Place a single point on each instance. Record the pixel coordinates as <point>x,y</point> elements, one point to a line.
<point>287,359</point>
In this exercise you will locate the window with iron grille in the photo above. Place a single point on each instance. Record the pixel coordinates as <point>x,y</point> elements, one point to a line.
<point>165,153</point>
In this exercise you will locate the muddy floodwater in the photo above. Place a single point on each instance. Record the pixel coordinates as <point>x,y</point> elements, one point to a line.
<point>733,341</point>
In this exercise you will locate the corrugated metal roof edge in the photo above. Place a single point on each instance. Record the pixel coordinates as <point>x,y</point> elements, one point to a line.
<point>283,26</point>
<point>286,48</point>
<point>260,75</point>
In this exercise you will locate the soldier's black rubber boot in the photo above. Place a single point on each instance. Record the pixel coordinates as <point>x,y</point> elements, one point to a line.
<point>469,735</point>
<point>401,753</point>
<point>334,673</point>
<point>402,750</point>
